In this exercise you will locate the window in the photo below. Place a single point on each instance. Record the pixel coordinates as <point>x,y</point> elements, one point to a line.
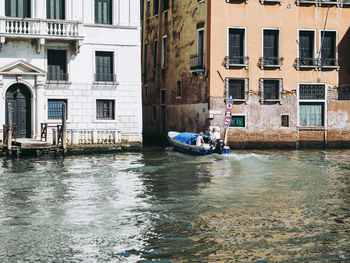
<point>164,51</point>
<point>54,109</point>
<point>178,88</point>
<point>271,89</point>
<point>236,48</point>
<point>105,109</point>
<point>104,66</point>
<point>270,47</point>
<point>145,62</point>
<point>306,48</point>
<point>154,112</point>
<point>285,120</point>
<point>103,11</point>
<point>312,99</point>
<point>237,121</point>
<point>146,92</point>
<point>18,8</point>
<point>162,97</point>
<point>328,49</point>
<point>165,5</point>
<point>57,65</point>
<point>155,52</point>
<point>55,9</point>
<point>237,88</point>
<point>200,47</point>
<point>155,7</point>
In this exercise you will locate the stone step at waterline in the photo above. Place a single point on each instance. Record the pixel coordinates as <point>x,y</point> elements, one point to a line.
<point>32,144</point>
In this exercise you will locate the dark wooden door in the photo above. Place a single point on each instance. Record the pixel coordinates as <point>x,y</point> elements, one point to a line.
<point>18,96</point>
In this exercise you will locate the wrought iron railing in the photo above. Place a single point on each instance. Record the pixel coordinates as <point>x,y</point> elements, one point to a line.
<point>306,63</point>
<point>317,63</point>
<point>197,62</point>
<point>236,61</point>
<point>57,76</point>
<point>328,62</point>
<point>105,77</point>
<point>320,2</point>
<point>271,1</point>
<point>271,62</point>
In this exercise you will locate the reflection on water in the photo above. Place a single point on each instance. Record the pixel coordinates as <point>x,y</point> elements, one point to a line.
<point>262,206</point>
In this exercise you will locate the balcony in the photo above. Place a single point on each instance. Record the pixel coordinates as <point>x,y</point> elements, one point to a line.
<point>328,63</point>
<point>55,77</point>
<point>236,61</point>
<point>105,78</point>
<point>197,63</point>
<point>270,62</point>
<point>40,30</point>
<point>306,63</point>
<point>319,2</point>
<point>271,2</point>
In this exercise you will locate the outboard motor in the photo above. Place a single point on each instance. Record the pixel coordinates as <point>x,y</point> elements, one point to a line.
<point>219,146</point>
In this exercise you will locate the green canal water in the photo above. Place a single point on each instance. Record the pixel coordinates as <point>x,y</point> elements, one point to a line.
<point>161,206</point>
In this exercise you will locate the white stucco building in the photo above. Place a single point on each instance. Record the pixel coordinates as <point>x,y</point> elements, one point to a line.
<point>85,53</point>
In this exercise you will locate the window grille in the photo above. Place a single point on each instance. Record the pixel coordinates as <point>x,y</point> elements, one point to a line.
<point>271,89</point>
<point>237,121</point>
<point>285,120</point>
<point>105,109</point>
<point>312,92</point>
<point>54,109</point>
<point>237,89</point>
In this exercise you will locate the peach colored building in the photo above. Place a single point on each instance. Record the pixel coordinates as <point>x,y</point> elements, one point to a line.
<point>286,64</point>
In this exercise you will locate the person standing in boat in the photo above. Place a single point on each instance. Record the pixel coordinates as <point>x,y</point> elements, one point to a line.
<point>215,135</point>
<point>199,139</point>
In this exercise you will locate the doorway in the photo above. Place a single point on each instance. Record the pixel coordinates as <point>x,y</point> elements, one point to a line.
<point>19,97</point>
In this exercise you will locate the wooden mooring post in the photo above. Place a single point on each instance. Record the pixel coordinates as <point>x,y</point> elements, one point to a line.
<point>9,129</point>
<point>64,128</point>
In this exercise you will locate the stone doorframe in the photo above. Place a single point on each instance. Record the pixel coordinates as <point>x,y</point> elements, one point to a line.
<point>33,78</point>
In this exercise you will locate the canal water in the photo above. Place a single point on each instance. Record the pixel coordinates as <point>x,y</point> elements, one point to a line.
<point>162,206</point>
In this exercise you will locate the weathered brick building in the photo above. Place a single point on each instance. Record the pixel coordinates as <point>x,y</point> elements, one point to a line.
<point>285,64</point>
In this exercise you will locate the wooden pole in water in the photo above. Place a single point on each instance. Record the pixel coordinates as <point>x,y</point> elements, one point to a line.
<point>225,136</point>
<point>64,123</point>
<point>9,128</point>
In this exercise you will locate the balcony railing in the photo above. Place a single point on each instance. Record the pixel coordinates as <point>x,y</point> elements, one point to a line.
<point>330,63</point>
<point>105,77</point>
<point>10,26</point>
<point>271,2</point>
<point>236,61</point>
<point>57,76</point>
<point>197,62</point>
<point>320,2</point>
<point>271,62</point>
<point>317,63</point>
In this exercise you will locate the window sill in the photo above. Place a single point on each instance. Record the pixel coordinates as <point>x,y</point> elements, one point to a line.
<point>105,83</point>
<point>104,121</point>
<point>62,82</point>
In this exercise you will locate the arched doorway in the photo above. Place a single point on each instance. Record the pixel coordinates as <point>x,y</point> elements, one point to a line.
<point>19,96</point>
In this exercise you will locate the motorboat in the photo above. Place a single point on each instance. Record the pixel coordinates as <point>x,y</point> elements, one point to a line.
<point>185,142</point>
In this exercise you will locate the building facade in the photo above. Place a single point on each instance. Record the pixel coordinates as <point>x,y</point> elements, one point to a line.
<point>84,53</point>
<point>284,63</point>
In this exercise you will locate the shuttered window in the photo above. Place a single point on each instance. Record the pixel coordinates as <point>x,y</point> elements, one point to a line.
<point>55,9</point>
<point>57,65</point>
<point>271,89</point>
<point>236,45</point>
<point>306,47</point>
<point>328,48</point>
<point>103,11</point>
<point>165,5</point>
<point>155,7</point>
<point>104,66</point>
<point>18,8</point>
<point>270,49</point>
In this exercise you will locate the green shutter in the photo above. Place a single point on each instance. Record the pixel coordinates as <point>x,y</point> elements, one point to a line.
<point>103,11</point>
<point>55,9</point>
<point>311,114</point>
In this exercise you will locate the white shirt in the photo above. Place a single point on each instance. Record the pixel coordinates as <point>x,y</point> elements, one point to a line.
<point>215,136</point>
<point>199,140</point>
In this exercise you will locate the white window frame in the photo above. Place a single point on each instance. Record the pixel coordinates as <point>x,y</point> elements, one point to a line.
<point>315,44</point>
<point>245,121</point>
<point>95,120</point>
<point>261,90</point>
<point>336,41</point>
<point>321,101</point>
<point>96,49</point>
<point>246,88</point>
<point>279,40</point>
<point>244,44</point>
<point>164,51</point>
<point>46,107</point>
<point>198,30</point>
